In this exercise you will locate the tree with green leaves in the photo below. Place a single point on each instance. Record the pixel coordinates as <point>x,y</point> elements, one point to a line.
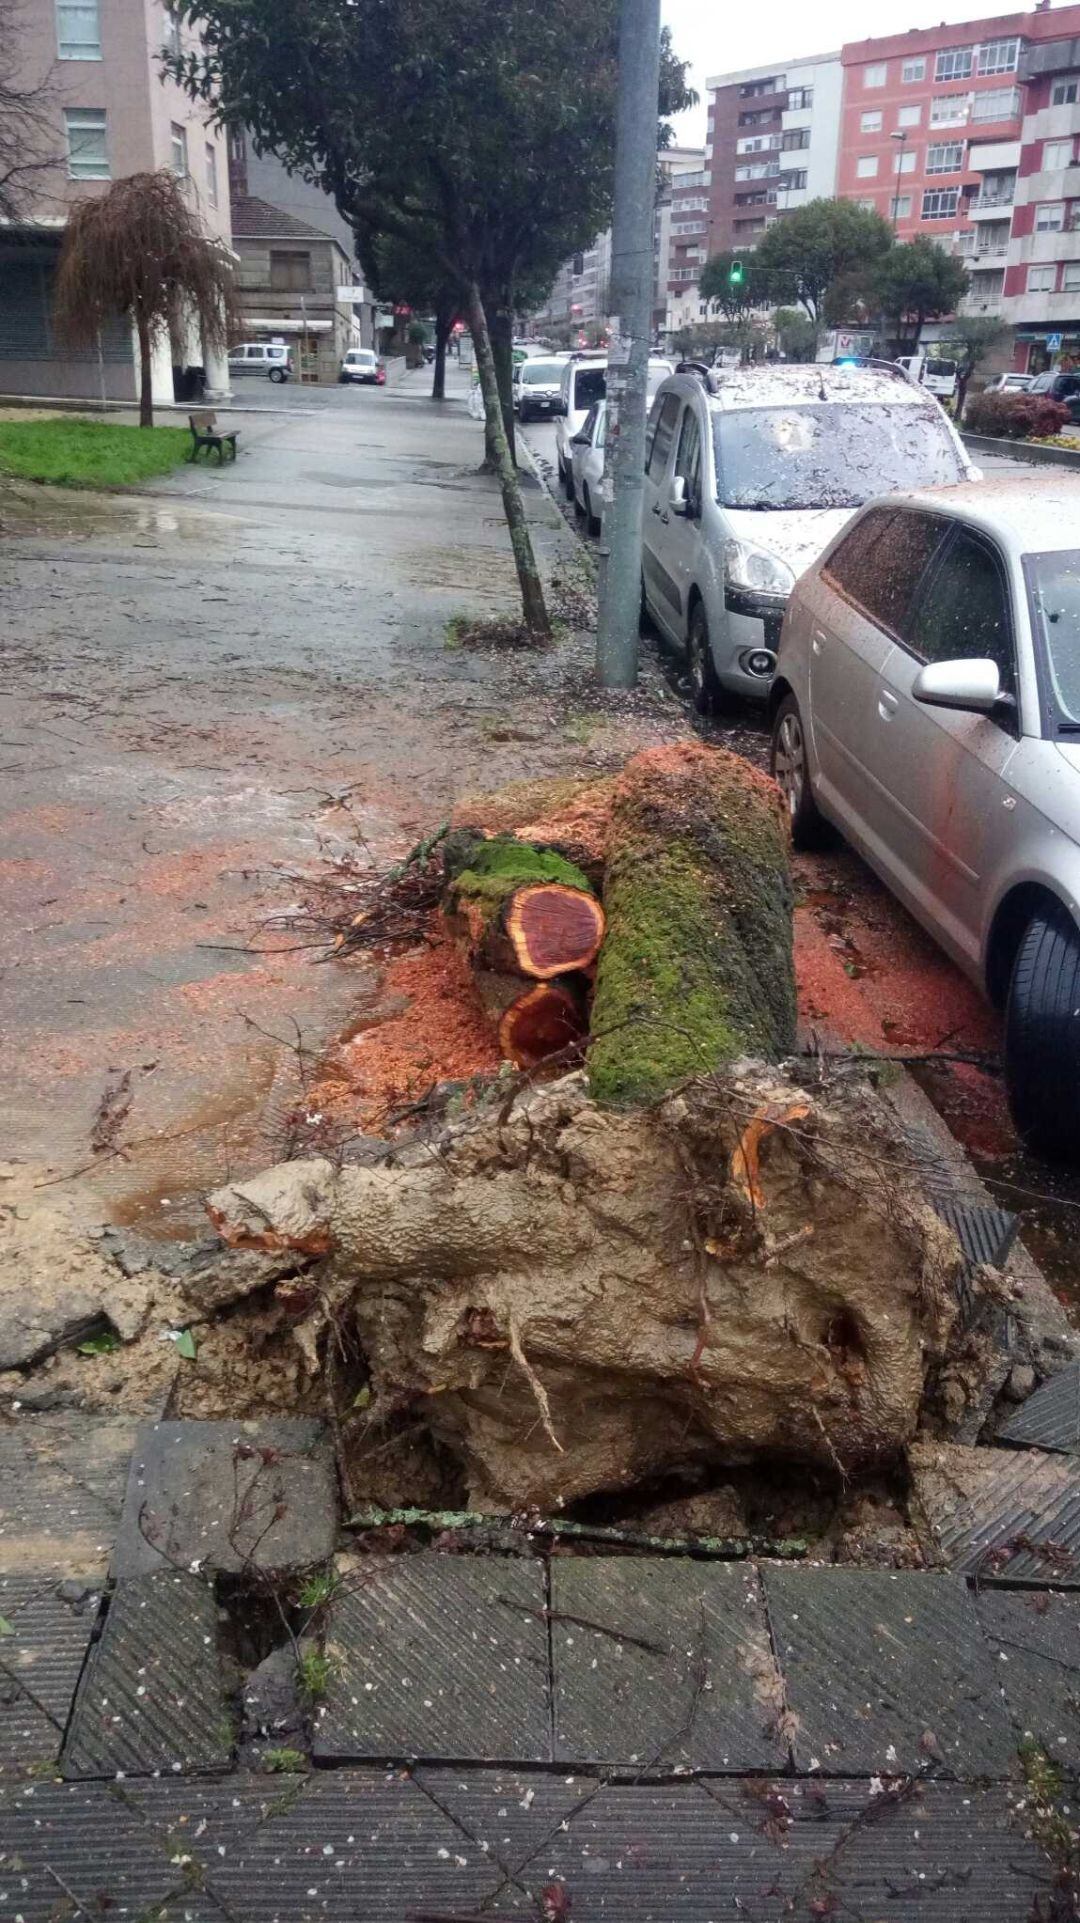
<point>916,282</point>
<point>819,244</point>
<point>972,339</point>
<point>731,298</point>
<point>489,123</point>
<point>796,334</point>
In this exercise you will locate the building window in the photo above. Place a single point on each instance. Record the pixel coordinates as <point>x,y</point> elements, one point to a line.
<point>913,70</point>
<point>793,183</point>
<point>870,123</point>
<point>1064,93</point>
<point>290,273</point>
<point>997,103</point>
<point>948,158</point>
<point>796,140</point>
<point>1057,155</point>
<point>1042,280</point>
<point>211,175</point>
<point>904,161</point>
<point>940,203</point>
<point>178,150</point>
<point>900,207</point>
<point>799,99</point>
<point>866,167</point>
<point>172,32</point>
<point>998,56</point>
<point>868,206</point>
<point>1072,276</point>
<point>875,76</point>
<point>78,31</point>
<point>909,117</point>
<point>1050,217</point>
<point>953,63</point>
<point>88,153</point>
<point>948,110</point>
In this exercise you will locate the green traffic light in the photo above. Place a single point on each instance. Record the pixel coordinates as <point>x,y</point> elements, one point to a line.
<point>736,274</point>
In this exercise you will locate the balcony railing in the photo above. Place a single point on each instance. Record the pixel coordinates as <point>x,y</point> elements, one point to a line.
<point>987,203</point>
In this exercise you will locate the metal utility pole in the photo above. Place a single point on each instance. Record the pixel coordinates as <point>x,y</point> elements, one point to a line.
<point>628,354</point>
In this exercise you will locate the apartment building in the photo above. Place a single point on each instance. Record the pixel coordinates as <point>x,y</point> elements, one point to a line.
<point>580,295</point>
<point>772,142</point>
<point>681,228</point>
<point>1041,294</point>
<point>112,115</point>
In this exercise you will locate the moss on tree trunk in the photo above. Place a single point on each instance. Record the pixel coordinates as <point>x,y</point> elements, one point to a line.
<point>696,967</point>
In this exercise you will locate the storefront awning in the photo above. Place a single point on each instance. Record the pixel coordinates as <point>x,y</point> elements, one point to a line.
<point>279,325</point>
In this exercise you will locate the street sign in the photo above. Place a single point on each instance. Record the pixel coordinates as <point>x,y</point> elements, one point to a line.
<point>1053,343</point>
<point>352,293</point>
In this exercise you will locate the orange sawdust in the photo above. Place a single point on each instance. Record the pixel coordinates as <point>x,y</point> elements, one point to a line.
<point>442,1035</point>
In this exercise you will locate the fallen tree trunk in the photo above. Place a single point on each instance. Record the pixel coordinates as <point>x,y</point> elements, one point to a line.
<point>519,908</point>
<point>576,1298</point>
<point>696,968</point>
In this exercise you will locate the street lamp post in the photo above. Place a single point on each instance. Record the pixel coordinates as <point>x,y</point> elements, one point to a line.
<point>901,137</point>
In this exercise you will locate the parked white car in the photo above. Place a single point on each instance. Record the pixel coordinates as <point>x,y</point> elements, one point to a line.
<point>585,381</point>
<point>587,464</point>
<point>927,704</point>
<point>538,387</point>
<point>271,359</point>
<point>936,375</point>
<point>1009,384</point>
<point>749,475</point>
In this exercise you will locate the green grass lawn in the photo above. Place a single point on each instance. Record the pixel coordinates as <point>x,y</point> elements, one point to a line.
<point>81,453</point>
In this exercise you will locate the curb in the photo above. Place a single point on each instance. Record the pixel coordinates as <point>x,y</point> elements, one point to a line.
<point>1027,451</point>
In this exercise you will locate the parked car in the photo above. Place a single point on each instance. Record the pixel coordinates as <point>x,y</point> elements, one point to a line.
<point>585,381</point>
<point>587,463</point>
<point>538,387</point>
<point>1063,387</point>
<point>1009,384</point>
<point>270,358</point>
<point>937,376</point>
<point>927,704</point>
<point>362,365</point>
<point>749,475</point>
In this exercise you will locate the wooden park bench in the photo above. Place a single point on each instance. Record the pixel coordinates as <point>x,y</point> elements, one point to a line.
<point>203,435</point>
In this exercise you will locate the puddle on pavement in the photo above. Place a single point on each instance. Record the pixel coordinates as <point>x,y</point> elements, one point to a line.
<point>73,512</point>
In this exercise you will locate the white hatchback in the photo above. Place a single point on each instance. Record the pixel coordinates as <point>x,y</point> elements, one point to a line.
<point>749,475</point>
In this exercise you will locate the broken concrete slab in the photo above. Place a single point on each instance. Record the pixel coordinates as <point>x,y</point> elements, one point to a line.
<point>354,1844</point>
<point>45,1651</point>
<point>886,1672</point>
<point>1050,1418</point>
<point>153,1695</point>
<point>999,1514</point>
<point>62,1479</point>
<point>1034,1635</point>
<point>509,1814</point>
<point>663,1665</point>
<point>228,1496</point>
<point>439,1657</point>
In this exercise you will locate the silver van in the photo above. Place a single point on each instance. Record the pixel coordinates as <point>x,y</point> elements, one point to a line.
<point>272,359</point>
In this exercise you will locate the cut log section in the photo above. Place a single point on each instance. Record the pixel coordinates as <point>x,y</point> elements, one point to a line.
<point>541,1023</point>
<point>553,929</point>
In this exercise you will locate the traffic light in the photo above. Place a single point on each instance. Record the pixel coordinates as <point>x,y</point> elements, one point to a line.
<point>736,275</point>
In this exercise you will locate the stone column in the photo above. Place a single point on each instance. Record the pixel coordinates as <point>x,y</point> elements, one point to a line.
<point>216,368</point>
<point>161,366</point>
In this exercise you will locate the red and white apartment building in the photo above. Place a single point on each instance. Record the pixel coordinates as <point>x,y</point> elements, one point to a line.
<point>968,134</point>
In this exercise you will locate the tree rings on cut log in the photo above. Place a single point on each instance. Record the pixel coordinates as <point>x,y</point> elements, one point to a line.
<point>553,929</point>
<point>539,1024</point>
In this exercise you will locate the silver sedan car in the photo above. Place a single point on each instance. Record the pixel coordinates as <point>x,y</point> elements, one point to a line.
<point>587,465</point>
<point>927,703</point>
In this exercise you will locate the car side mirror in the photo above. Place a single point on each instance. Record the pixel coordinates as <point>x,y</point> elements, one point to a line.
<point>678,500</point>
<point>974,687</point>
<point>579,440</point>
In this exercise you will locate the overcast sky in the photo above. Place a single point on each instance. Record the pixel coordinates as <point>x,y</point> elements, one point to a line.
<point>724,39</point>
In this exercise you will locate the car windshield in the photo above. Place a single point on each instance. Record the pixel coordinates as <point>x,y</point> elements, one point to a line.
<point>541,373</point>
<point>590,384</point>
<point>1042,383</point>
<point>360,358</point>
<point>944,369</point>
<point>1054,586</point>
<point>829,456</point>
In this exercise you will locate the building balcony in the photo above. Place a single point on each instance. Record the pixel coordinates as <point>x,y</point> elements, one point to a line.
<point>990,206</point>
<point>1037,248</point>
<point>796,117</point>
<point>1041,308</point>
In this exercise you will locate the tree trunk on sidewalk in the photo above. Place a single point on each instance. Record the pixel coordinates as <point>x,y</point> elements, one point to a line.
<point>443,324</point>
<point>501,328</point>
<point>146,373</point>
<point>533,606</point>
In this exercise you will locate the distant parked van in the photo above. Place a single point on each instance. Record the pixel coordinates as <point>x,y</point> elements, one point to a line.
<point>937,376</point>
<point>269,358</point>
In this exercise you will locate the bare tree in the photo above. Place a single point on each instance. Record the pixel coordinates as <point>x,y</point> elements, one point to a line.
<point>139,251</point>
<point>29,121</point>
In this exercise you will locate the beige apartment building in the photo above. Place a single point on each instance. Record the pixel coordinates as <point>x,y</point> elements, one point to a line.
<point>110,114</point>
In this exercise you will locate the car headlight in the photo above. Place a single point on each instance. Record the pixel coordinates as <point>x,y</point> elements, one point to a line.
<point>757,570</point>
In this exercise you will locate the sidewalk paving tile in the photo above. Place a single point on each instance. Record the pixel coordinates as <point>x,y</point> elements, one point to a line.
<point>49,1638</point>
<point>60,1842</point>
<point>705,1694</point>
<point>61,1487</point>
<point>1034,1635</point>
<point>887,1672</point>
<point>230,1495</point>
<point>27,1735</point>
<point>948,1854</point>
<point>1049,1419</point>
<point>438,1657</point>
<point>356,1846</point>
<point>206,1818</point>
<point>152,1696</point>
<point>511,1815</point>
<point>1009,1515</point>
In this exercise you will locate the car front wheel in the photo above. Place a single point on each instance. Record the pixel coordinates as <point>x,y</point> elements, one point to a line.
<point>592,521</point>
<point>790,770</point>
<point>704,687</point>
<point>1042,1037</point>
